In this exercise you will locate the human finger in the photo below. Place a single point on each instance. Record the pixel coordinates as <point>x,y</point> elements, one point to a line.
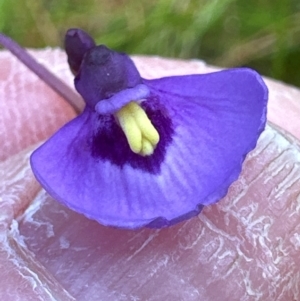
<point>185,248</point>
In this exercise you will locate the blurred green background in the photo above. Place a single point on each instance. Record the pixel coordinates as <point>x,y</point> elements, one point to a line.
<point>262,34</point>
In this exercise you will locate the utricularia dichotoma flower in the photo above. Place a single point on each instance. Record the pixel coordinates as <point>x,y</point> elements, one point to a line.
<point>149,152</point>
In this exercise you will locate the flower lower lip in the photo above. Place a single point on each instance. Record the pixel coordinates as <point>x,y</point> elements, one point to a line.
<point>203,142</point>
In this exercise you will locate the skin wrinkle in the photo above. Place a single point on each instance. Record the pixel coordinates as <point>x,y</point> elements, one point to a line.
<point>262,237</point>
<point>274,264</point>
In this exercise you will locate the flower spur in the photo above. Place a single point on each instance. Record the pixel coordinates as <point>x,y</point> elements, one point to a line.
<point>149,152</point>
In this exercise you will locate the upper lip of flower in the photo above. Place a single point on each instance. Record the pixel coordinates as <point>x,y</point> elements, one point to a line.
<point>206,125</point>
<point>103,73</point>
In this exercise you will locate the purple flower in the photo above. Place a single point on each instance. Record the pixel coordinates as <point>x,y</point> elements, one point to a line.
<point>149,152</point>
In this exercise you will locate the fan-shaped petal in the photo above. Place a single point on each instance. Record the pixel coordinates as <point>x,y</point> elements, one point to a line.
<point>216,120</point>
